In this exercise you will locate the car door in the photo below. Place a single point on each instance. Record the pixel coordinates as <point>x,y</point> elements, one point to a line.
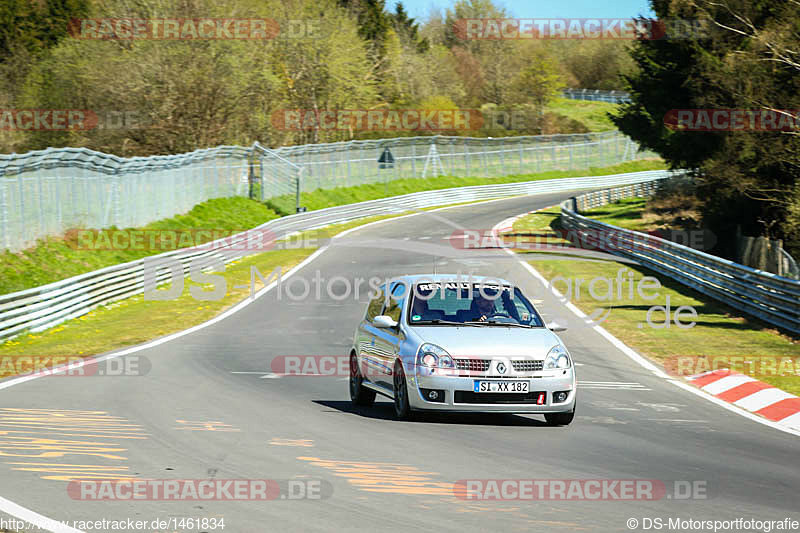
<point>366,337</point>
<point>387,340</point>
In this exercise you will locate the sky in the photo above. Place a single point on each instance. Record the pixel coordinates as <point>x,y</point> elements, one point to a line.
<point>543,8</point>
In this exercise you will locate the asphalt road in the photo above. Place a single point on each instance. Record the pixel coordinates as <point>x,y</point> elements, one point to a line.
<point>206,410</point>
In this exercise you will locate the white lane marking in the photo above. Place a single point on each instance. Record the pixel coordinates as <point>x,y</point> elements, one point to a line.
<point>609,386</point>
<point>681,420</point>
<point>780,426</point>
<point>763,398</point>
<point>611,382</point>
<point>726,383</point>
<point>613,385</point>
<point>31,517</point>
<point>662,407</point>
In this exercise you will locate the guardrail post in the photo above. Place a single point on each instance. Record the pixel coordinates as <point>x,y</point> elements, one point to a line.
<point>573,204</point>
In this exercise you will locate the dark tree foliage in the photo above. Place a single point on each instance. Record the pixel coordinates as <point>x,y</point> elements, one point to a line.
<point>408,28</point>
<point>36,25</point>
<point>745,58</point>
<point>373,20</point>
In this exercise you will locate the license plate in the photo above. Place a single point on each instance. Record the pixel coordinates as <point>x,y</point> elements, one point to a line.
<point>501,386</point>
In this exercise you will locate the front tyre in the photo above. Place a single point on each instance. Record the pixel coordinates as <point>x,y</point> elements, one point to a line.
<point>402,409</point>
<point>559,419</point>
<point>359,394</point>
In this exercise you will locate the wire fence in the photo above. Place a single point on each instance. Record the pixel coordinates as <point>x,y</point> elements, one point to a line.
<point>48,192</point>
<point>351,163</point>
<point>596,95</point>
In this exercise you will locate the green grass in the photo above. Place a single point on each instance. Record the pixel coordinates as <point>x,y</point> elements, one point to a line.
<point>54,258</point>
<point>591,114</point>
<point>626,213</point>
<point>360,193</point>
<point>719,329</point>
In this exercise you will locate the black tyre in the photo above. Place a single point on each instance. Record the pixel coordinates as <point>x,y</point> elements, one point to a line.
<point>559,419</point>
<point>402,410</point>
<point>359,394</point>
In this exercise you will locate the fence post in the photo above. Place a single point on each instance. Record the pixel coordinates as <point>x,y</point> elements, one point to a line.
<point>467,158</point>
<point>41,202</point>
<point>397,162</point>
<point>298,184</point>
<point>4,214</point>
<point>263,181</point>
<point>502,157</point>
<point>414,158</point>
<point>486,158</point>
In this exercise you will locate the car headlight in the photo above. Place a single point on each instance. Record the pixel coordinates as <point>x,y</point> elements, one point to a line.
<point>434,356</point>
<point>556,358</point>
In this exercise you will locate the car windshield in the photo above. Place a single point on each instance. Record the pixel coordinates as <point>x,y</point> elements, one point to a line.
<point>464,303</point>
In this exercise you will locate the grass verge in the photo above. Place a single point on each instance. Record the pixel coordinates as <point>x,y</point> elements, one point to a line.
<point>719,330</point>
<point>593,115</point>
<point>57,258</point>
<point>360,193</point>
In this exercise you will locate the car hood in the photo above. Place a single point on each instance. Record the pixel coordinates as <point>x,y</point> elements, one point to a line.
<point>490,340</point>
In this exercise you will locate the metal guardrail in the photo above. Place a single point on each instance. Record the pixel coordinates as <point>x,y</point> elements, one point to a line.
<point>774,299</point>
<point>42,307</point>
<point>596,95</point>
<point>47,192</point>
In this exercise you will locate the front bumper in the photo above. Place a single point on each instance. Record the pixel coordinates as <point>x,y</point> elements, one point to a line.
<point>459,392</point>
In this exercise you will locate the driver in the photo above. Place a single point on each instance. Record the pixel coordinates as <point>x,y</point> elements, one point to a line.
<point>485,308</point>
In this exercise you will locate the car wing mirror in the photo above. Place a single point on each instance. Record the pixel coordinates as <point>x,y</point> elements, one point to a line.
<point>383,321</point>
<point>555,326</point>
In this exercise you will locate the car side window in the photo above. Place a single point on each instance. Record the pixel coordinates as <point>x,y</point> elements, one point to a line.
<point>375,306</point>
<point>395,304</point>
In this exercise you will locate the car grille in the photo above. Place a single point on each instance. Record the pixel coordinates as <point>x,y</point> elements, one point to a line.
<point>527,366</point>
<point>473,365</point>
<point>496,397</point>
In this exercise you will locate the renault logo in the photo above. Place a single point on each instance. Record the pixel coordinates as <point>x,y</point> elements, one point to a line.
<point>501,367</point>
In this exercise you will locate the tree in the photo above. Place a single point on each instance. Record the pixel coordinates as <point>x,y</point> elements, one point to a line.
<point>406,27</point>
<point>745,59</point>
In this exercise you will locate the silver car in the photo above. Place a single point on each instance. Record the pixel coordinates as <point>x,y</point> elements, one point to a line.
<point>452,343</point>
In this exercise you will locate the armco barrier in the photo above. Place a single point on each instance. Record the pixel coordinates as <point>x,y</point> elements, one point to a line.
<point>42,307</point>
<point>774,299</point>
